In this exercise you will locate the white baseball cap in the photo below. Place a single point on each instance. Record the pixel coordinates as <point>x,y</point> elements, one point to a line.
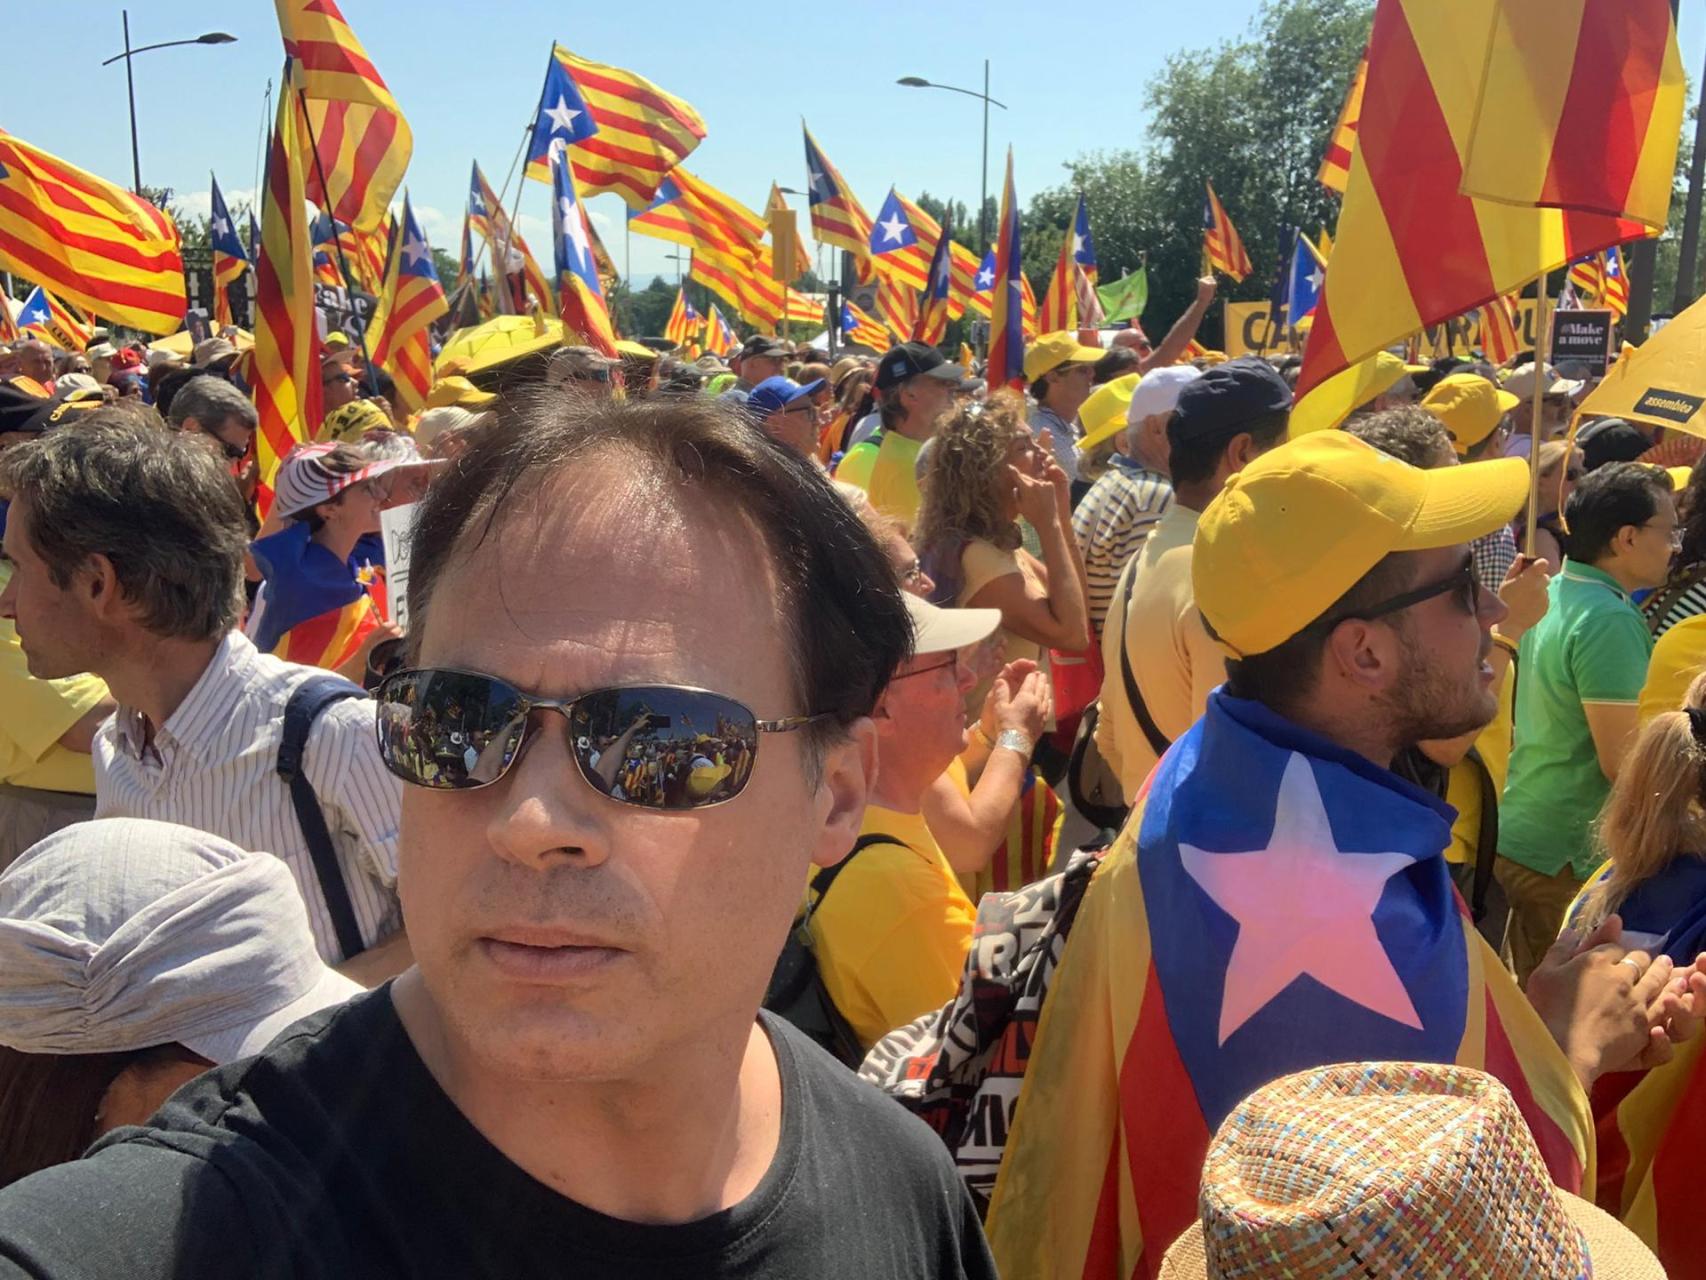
<point>124,933</point>
<point>1159,392</point>
<point>938,630</point>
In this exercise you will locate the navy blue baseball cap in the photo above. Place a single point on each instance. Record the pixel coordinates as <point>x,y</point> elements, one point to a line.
<point>777,393</point>
<point>916,360</point>
<point>1227,398</point>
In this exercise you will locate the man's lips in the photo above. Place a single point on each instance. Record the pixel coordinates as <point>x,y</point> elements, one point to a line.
<point>549,955</point>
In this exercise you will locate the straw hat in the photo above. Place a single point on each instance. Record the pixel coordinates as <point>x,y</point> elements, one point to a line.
<point>1394,1170</point>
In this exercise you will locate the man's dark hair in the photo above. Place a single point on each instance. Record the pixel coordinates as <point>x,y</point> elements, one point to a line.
<point>157,504</point>
<point>1617,495</point>
<point>1194,460</point>
<point>1407,433</point>
<point>211,401</point>
<point>1039,388</point>
<point>1285,675</point>
<point>1116,364</point>
<point>838,595</point>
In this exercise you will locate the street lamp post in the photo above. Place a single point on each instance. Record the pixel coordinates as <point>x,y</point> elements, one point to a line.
<point>918,82</point>
<point>211,37</point>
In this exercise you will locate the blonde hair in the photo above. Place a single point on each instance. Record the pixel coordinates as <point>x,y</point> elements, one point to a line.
<point>1656,811</point>
<point>967,476</point>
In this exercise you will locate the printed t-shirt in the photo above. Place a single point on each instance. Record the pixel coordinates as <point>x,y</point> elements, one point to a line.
<point>336,1154</point>
<point>892,933</point>
<point>1591,647</point>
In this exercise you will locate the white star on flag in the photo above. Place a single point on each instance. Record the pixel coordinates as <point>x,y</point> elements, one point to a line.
<point>985,280</point>
<point>221,228</point>
<point>819,182</point>
<point>562,115</point>
<point>1077,243</point>
<point>574,230</point>
<point>1317,278</point>
<point>415,250</point>
<point>894,228</point>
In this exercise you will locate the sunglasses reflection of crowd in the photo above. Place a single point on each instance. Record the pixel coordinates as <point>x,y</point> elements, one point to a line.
<point>670,773</point>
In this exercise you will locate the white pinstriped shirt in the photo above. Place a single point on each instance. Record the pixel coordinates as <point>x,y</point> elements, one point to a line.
<point>212,766</point>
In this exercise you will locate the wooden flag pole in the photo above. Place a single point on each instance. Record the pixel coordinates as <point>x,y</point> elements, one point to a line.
<point>1542,343</point>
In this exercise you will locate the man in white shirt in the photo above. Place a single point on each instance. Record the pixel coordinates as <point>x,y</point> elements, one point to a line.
<point>145,592</point>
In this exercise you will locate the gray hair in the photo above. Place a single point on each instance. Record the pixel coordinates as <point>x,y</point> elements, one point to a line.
<point>157,505</point>
<point>210,401</point>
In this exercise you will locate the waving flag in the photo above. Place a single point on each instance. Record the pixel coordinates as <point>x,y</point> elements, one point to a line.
<point>860,328</point>
<point>684,322</point>
<point>1006,365</point>
<point>487,214</point>
<point>1412,249</point>
<point>1336,167</point>
<point>932,325</point>
<point>838,218</point>
<point>635,135</point>
<point>1221,243</point>
<point>894,241</point>
<point>287,376</point>
<point>1060,309</point>
<point>688,210</point>
<point>1499,339</point>
<point>1275,904</point>
<point>359,134</point>
<point>720,339</point>
<point>1616,292</point>
<point>563,119</point>
<point>8,324</point>
<point>1587,276</point>
<point>413,299</point>
<point>90,242</point>
<point>583,308</point>
<point>1303,288</point>
<point>229,258</point>
<point>1126,297</point>
<point>1581,107</point>
<point>46,317</point>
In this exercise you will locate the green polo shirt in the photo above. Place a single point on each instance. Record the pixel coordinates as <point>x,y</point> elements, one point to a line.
<point>1591,646</point>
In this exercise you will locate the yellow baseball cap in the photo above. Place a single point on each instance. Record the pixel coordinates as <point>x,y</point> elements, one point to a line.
<point>1052,350</point>
<point>1299,526</point>
<point>1470,406</point>
<point>456,390</point>
<point>1104,412</point>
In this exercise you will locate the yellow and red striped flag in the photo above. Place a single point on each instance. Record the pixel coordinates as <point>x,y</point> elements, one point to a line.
<point>230,258</point>
<point>1412,249</point>
<point>689,211</point>
<point>642,132</point>
<point>413,299</point>
<point>1221,243</point>
<point>286,373</point>
<point>1616,292</point>
<point>359,134</point>
<point>1499,339</point>
<point>92,243</point>
<point>8,326</point>
<point>490,219</point>
<point>1059,298</point>
<point>838,219</point>
<point>858,326</point>
<point>684,323</point>
<point>1581,108</point>
<point>720,339</point>
<point>580,291</point>
<point>1336,166</point>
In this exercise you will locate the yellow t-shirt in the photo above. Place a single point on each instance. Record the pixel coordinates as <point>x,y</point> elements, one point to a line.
<point>1463,784</point>
<point>892,934</point>
<point>34,714</point>
<point>894,479</point>
<point>1678,656</point>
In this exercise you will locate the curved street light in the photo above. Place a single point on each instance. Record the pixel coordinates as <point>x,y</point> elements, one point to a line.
<point>210,37</point>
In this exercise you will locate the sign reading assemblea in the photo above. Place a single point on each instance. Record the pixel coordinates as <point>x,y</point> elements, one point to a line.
<point>1669,406</point>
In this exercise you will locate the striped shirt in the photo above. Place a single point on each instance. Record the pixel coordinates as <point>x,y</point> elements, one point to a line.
<point>1063,437</point>
<point>212,765</point>
<point>1111,524</point>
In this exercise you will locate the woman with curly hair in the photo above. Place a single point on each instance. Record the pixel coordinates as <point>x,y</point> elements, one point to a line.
<point>985,472</point>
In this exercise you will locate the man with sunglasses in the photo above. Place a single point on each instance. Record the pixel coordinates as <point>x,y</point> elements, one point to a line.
<point>212,408</point>
<point>339,382</point>
<point>645,647</point>
<point>1582,668</point>
<point>1279,899</point>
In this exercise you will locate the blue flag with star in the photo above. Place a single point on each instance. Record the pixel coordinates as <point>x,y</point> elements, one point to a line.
<point>222,232</point>
<point>892,230</point>
<point>580,294</point>
<point>563,120</point>
<point>1308,274</point>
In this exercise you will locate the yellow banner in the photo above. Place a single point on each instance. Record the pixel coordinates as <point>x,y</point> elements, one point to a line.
<point>1249,333</point>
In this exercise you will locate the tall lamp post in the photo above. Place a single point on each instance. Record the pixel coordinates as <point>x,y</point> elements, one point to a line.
<point>918,82</point>
<point>211,37</point>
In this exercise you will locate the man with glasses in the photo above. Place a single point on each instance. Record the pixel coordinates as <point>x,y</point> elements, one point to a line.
<point>210,407</point>
<point>645,647</point>
<point>1582,668</point>
<point>339,382</point>
<point>784,408</point>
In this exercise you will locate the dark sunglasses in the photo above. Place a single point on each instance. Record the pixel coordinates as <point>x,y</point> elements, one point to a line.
<point>656,746</point>
<point>1463,580</point>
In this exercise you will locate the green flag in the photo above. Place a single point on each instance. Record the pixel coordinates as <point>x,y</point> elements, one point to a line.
<point>1126,297</point>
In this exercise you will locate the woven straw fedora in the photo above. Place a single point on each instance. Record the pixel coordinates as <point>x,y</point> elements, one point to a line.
<point>1391,1170</point>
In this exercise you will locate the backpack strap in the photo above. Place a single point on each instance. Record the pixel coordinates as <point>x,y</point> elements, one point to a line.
<point>1486,838</point>
<point>307,701</point>
<point>826,876</point>
<point>1158,741</point>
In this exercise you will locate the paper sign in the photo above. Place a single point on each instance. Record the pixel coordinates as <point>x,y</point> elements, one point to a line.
<point>1582,337</point>
<point>396,524</point>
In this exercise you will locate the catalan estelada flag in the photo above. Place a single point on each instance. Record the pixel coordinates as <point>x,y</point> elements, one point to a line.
<point>487,214</point>
<point>363,142</point>
<point>314,608</point>
<point>639,132</point>
<point>932,326</point>
<point>1275,903</point>
<point>896,303</point>
<point>230,260</point>
<point>857,326</point>
<point>1221,243</point>
<point>684,322</point>
<point>583,310</point>
<point>1616,291</point>
<point>720,339</point>
<point>413,298</point>
<point>1412,249</point>
<point>1006,364</point>
<point>1587,277</point>
<point>563,120</point>
<point>88,241</point>
<point>1077,261</point>
<point>1580,108</point>
<point>688,210</point>
<point>838,219</point>
<point>894,245</point>
<point>46,317</point>
<point>286,367</point>
<point>1336,165</point>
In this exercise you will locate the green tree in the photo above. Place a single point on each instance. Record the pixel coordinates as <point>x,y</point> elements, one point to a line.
<point>645,312</point>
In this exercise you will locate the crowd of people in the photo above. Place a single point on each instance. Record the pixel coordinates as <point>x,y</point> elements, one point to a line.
<point>1247,853</point>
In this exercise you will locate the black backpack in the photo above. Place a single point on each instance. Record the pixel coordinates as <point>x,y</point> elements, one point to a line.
<point>796,992</point>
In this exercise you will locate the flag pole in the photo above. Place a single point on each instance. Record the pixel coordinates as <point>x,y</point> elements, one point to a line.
<point>337,242</point>
<point>1542,341</point>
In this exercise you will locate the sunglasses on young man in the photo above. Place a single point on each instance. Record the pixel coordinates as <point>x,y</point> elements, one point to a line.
<point>1462,582</point>
<point>654,746</point>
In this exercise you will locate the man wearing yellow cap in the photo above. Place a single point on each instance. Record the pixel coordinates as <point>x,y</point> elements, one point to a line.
<point>1476,417</point>
<point>1279,899</point>
<point>1060,371</point>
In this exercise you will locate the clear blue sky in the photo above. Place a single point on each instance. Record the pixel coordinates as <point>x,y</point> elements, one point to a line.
<point>468,78</point>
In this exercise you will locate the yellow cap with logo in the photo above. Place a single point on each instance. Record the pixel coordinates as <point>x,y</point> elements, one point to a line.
<point>1052,350</point>
<point>1301,525</point>
<point>1104,412</point>
<point>1470,406</point>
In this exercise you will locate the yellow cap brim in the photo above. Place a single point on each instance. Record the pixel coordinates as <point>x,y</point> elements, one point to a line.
<point>1107,431</point>
<point>1460,504</point>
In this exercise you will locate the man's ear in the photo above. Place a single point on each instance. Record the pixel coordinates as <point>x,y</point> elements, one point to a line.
<point>96,585</point>
<point>1364,653</point>
<point>849,773</point>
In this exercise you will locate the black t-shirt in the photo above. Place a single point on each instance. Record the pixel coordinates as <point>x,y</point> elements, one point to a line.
<point>336,1154</point>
